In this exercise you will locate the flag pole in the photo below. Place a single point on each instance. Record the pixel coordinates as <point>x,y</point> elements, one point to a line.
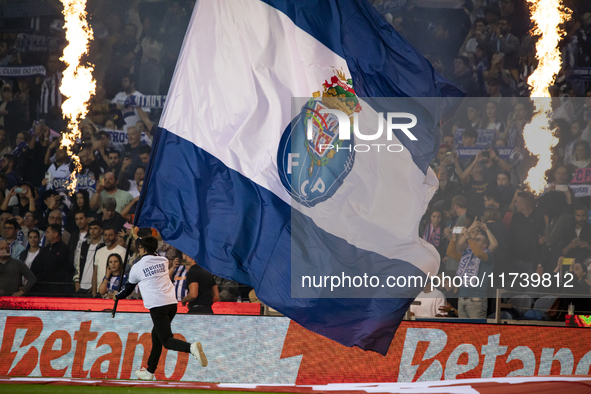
<point>127,253</point>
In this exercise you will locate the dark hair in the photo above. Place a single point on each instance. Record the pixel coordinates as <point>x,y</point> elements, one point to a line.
<point>10,157</point>
<point>110,228</point>
<point>493,195</point>
<point>529,198</point>
<point>145,149</point>
<point>464,60</point>
<point>34,230</point>
<point>460,201</point>
<point>55,227</point>
<point>49,193</point>
<point>149,243</point>
<point>585,145</point>
<point>491,213</point>
<point>142,167</point>
<point>96,222</point>
<point>470,132</point>
<point>568,172</point>
<point>483,20</point>
<point>82,212</point>
<point>114,151</point>
<point>129,76</point>
<point>553,204</point>
<point>564,127</point>
<point>14,223</point>
<point>471,215</point>
<point>446,134</point>
<point>507,173</point>
<point>580,207</point>
<point>86,201</point>
<point>110,204</point>
<point>118,258</point>
<point>101,134</point>
<point>584,267</point>
<point>433,210</point>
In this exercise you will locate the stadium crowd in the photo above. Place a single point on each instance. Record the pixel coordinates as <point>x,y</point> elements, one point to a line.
<point>489,52</point>
<point>61,244</point>
<point>57,244</point>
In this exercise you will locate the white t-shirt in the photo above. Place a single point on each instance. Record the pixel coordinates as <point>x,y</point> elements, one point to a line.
<point>100,261</point>
<point>151,275</point>
<point>430,303</point>
<point>129,113</point>
<point>59,175</point>
<point>133,189</point>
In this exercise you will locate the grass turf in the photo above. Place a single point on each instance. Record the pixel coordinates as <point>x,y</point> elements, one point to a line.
<point>54,388</point>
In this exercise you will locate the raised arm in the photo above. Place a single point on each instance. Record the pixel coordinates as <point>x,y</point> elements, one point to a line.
<point>95,200</point>
<point>493,244</point>
<point>125,211</point>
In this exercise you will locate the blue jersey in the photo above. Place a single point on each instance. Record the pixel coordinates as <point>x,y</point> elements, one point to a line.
<point>113,285</point>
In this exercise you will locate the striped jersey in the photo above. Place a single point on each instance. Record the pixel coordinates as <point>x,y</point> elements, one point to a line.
<point>179,281</point>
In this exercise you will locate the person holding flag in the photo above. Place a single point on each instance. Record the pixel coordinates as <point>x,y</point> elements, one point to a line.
<point>151,274</point>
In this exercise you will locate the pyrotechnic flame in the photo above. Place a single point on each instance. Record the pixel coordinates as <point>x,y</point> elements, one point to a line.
<point>547,16</point>
<point>77,82</point>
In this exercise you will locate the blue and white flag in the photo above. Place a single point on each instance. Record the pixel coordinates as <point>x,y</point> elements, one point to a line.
<point>217,189</point>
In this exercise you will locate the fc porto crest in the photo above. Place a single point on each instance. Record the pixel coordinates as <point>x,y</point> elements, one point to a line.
<point>312,160</point>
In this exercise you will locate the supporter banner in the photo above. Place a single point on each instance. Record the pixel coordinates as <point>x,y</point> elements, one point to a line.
<point>582,175</point>
<point>484,140</point>
<point>85,182</point>
<point>581,190</point>
<point>118,139</point>
<point>145,101</point>
<point>581,73</point>
<point>27,9</point>
<point>35,43</point>
<point>21,72</point>
<point>503,152</point>
<point>58,184</point>
<point>276,350</point>
<point>391,6</point>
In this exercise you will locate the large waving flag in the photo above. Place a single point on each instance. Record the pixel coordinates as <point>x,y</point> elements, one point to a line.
<point>224,184</point>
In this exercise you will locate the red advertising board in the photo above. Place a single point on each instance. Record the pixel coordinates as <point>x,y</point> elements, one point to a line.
<point>262,349</point>
<point>435,351</point>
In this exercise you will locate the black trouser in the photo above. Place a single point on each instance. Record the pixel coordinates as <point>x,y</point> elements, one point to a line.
<point>162,335</point>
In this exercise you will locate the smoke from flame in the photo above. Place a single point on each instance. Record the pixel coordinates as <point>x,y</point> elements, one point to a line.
<point>547,16</point>
<point>77,82</point>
